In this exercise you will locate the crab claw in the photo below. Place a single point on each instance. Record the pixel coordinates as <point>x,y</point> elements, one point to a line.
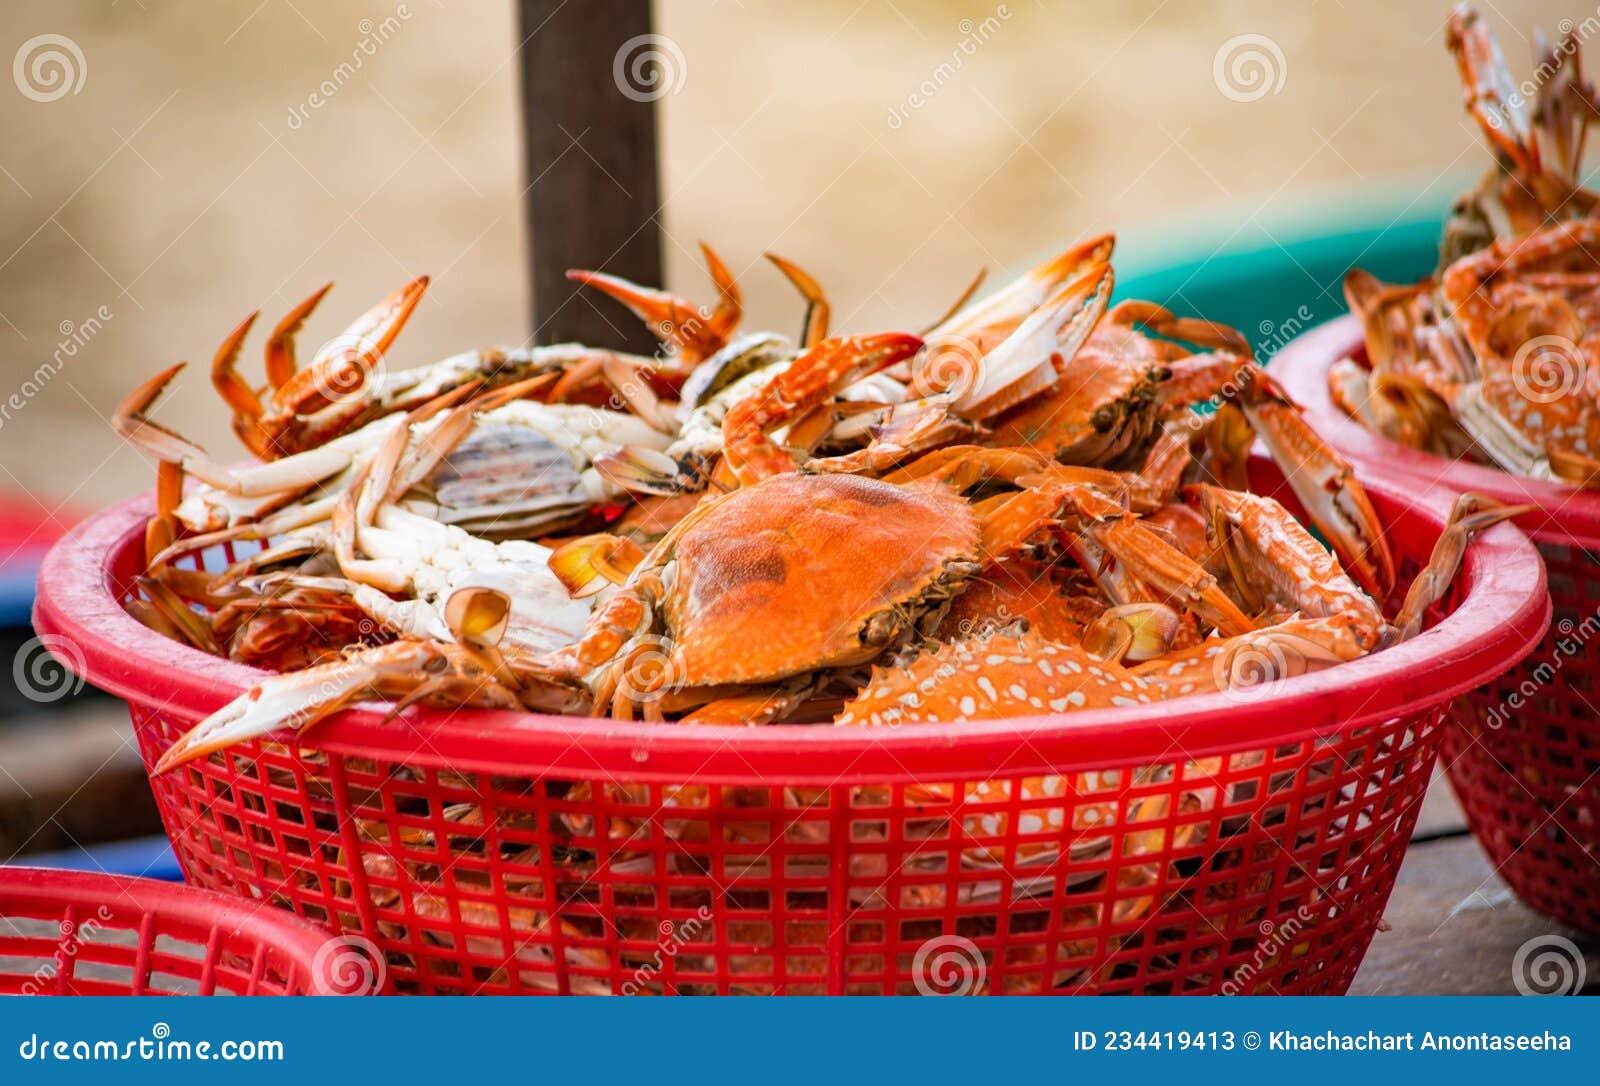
<point>818,311</point>
<point>342,364</point>
<point>1077,279</point>
<point>1491,97</point>
<point>641,470</point>
<point>696,332</point>
<point>1324,482</point>
<point>415,670</point>
<point>821,372</point>
<point>986,377</point>
<point>130,423</point>
<point>281,365</point>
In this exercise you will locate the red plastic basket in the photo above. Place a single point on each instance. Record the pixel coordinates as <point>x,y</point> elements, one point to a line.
<point>75,933</point>
<point>1525,758</point>
<point>1239,842</point>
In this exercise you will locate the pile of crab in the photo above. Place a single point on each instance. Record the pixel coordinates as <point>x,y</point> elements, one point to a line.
<point>1019,511</point>
<point>1497,356</point>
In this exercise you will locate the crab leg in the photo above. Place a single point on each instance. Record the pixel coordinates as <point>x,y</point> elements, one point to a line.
<point>444,674</point>
<point>1155,563</point>
<point>342,365</point>
<point>1471,514</point>
<point>818,311</point>
<point>695,332</point>
<point>988,323</point>
<point>1324,482</point>
<point>1008,523</point>
<point>1270,552</point>
<point>1489,91</point>
<point>1029,359</point>
<point>819,373</point>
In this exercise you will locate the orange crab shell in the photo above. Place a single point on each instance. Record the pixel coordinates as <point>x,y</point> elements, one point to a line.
<point>1020,589</point>
<point>991,677</point>
<point>1101,403</point>
<point>785,577</point>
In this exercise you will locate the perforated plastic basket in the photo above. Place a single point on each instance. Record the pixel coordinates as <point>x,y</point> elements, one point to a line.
<point>75,933</point>
<point>1525,757</point>
<point>1240,842</point>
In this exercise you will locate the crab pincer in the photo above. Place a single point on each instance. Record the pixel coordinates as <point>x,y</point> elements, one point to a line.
<point>816,375</point>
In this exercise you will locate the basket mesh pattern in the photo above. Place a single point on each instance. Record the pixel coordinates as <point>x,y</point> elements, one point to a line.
<point>1258,863</point>
<point>122,941</point>
<point>1261,870</point>
<point>1525,758</point>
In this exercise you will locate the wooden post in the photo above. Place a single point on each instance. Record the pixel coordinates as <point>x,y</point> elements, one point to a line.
<point>589,132</point>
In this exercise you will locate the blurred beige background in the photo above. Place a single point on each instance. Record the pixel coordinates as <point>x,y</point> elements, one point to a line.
<point>178,189</point>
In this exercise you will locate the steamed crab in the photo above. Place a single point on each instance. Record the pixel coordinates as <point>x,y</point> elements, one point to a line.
<point>1490,357</point>
<point>1538,145</point>
<point>1504,354</point>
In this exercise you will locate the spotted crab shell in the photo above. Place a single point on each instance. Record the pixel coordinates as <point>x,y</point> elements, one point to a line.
<point>986,678</point>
